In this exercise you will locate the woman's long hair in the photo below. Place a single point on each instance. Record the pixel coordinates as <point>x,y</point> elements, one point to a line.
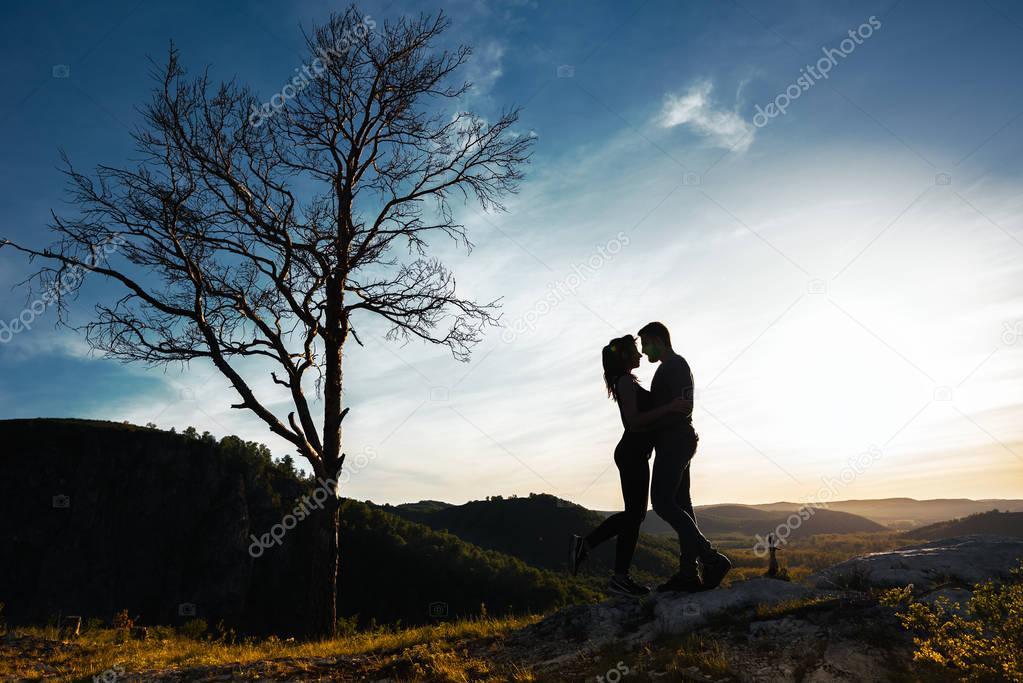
<point>616,364</point>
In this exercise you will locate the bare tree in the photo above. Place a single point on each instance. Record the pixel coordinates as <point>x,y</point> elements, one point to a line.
<point>255,233</point>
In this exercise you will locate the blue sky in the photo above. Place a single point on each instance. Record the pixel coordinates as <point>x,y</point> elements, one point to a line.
<point>845,277</point>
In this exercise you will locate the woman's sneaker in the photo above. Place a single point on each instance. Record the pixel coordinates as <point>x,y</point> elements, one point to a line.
<point>578,553</point>
<point>624,585</point>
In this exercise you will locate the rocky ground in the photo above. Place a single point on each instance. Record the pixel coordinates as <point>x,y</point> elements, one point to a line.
<point>769,630</point>
<point>831,629</point>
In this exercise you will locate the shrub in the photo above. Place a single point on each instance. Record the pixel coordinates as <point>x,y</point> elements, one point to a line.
<point>122,622</point>
<point>984,642</point>
<point>347,626</point>
<point>193,628</point>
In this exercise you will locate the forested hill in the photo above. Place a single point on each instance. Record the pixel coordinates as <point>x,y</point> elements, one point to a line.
<point>537,530</point>
<point>102,516</point>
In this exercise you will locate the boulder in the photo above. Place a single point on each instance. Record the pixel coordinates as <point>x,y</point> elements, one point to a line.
<point>582,629</point>
<point>963,560</point>
<point>681,612</point>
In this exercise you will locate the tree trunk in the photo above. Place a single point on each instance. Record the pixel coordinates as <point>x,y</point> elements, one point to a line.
<point>321,618</point>
<point>324,560</point>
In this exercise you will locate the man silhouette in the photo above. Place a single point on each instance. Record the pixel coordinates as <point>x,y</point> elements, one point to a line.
<point>675,444</point>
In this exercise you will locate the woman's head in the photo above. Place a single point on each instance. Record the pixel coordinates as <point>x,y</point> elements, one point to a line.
<point>620,358</point>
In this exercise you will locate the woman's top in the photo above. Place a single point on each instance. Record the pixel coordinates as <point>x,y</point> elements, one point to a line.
<point>644,400</point>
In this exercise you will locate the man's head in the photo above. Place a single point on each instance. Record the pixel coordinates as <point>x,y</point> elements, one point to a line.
<point>656,341</point>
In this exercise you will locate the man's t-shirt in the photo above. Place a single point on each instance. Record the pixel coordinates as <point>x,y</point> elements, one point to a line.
<point>672,379</point>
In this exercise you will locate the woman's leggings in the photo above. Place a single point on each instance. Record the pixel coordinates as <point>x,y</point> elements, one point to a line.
<point>632,458</point>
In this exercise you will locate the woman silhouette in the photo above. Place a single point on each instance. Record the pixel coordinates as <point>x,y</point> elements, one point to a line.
<point>632,455</point>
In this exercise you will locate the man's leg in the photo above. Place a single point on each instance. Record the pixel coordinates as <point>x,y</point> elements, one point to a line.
<point>715,565</point>
<point>670,466</point>
<point>684,500</point>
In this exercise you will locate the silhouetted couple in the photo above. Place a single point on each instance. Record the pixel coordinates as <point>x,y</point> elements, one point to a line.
<point>658,420</point>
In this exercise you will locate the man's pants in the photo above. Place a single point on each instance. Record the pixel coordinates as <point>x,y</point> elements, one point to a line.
<point>669,491</point>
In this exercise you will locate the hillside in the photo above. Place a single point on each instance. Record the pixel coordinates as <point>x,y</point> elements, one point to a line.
<point>101,517</point>
<point>843,624</point>
<point>993,523</point>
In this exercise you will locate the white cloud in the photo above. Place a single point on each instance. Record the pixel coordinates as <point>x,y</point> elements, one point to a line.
<point>724,128</point>
<point>484,68</point>
<point>42,339</point>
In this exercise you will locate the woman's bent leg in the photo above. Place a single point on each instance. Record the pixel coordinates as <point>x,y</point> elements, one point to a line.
<point>609,527</point>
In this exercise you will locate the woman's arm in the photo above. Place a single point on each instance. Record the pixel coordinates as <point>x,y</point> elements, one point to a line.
<point>635,420</point>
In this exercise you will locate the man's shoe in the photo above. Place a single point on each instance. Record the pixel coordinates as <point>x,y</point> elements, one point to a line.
<point>578,553</point>
<point>624,585</point>
<point>681,583</point>
<point>715,566</point>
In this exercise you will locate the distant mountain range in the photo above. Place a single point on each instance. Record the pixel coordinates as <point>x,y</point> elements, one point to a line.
<point>909,513</point>
<point>534,528</point>
<point>992,523</point>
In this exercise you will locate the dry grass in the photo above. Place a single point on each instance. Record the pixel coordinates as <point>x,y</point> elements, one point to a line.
<point>670,658</point>
<point>707,656</point>
<point>434,652</point>
<point>778,609</point>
